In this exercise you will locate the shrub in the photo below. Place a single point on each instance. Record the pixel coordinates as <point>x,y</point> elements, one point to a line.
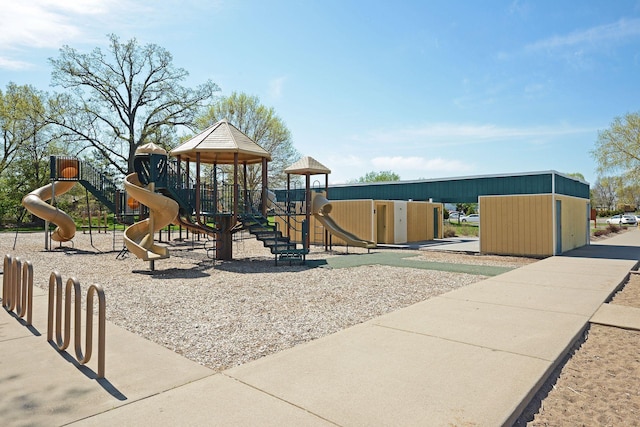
<point>449,232</point>
<point>601,232</point>
<point>612,228</point>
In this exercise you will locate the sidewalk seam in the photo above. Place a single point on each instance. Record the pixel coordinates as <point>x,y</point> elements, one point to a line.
<point>518,306</point>
<point>280,399</point>
<point>462,342</point>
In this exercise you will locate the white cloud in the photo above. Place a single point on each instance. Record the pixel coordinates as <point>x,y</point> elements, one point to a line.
<point>11,64</point>
<point>46,23</point>
<point>419,164</point>
<point>519,8</point>
<point>342,159</point>
<point>276,87</point>
<point>346,168</point>
<point>49,24</point>
<point>617,31</point>
<point>441,134</point>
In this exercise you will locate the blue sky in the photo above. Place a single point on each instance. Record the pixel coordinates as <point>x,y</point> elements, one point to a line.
<point>426,89</point>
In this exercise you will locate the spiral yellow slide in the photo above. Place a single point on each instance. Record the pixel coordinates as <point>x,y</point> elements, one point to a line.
<point>321,208</point>
<point>36,203</point>
<point>162,211</point>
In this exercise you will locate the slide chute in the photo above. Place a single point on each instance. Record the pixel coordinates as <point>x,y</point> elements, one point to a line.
<point>321,208</point>
<point>36,203</point>
<point>162,211</point>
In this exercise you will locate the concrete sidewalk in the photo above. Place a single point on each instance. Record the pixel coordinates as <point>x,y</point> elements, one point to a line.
<point>474,356</point>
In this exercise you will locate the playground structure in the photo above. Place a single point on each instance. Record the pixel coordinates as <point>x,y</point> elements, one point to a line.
<point>316,204</point>
<point>321,208</point>
<point>173,188</point>
<point>36,203</point>
<point>162,212</point>
<point>369,221</point>
<point>65,173</point>
<point>217,205</point>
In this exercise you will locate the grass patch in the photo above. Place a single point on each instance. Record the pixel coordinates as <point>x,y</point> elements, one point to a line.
<point>455,230</point>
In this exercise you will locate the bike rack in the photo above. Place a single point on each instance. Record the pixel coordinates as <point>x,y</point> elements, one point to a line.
<point>17,287</point>
<point>55,293</point>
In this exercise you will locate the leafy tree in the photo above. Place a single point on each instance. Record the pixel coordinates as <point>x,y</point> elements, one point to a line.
<point>576,175</point>
<point>629,194</point>
<point>467,208</point>
<point>383,176</point>
<point>263,126</point>
<point>125,97</point>
<point>21,119</point>
<point>618,147</point>
<point>27,144</point>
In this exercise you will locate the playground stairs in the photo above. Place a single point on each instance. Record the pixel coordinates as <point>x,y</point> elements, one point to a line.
<point>100,186</point>
<point>279,245</point>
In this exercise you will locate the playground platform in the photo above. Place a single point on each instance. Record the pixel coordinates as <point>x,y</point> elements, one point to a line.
<point>473,356</point>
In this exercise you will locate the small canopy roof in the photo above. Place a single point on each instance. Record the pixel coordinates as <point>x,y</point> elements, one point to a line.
<point>307,166</point>
<point>151,148</point>
<point>218,144</point>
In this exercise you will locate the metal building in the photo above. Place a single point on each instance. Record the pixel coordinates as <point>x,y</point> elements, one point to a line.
<point>529,214</point>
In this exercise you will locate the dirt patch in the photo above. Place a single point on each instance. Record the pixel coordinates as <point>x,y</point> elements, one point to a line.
<point>599,383</point>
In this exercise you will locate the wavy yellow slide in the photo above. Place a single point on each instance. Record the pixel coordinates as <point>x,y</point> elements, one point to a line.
<point>162,211</point>
<point>321,208</point>
<point>36,203</point>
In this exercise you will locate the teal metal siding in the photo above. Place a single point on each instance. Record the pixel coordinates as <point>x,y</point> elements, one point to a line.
<point>457,190</point>
<point>571,187</point>
<point>465,190</point>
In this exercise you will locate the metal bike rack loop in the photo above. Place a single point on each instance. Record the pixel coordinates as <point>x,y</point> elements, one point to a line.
<point>17,287</point>
<point>62,343</point>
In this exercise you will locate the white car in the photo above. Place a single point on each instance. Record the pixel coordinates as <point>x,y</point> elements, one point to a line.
<point>472,219</point>
<point>453,216</point>
<point>622,220</point>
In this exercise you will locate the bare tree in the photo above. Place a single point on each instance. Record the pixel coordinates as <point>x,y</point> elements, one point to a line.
<point>123,98</point>
<point>605,192</point>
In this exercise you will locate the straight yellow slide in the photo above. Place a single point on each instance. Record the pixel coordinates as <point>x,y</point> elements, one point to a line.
<point>36,203</point>
<point>138,238</point>
<point>321,207</point>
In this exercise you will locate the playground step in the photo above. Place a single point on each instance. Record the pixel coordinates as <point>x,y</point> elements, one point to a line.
<point>278,245</point>
<point>266,233</point>
<point>289,257</point>
<point>271,238</point>
<point>298,255</point>
<point>281,249</point>
<point>257,225</point>
<point>295,252</point>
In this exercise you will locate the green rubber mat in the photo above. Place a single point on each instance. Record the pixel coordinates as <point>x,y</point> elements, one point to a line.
<point>397,259</point>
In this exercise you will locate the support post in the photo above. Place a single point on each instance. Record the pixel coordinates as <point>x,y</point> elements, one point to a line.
<point>308,205</point>
<point>263,196</point>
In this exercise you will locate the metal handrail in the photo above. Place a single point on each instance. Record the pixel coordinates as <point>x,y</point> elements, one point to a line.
<point>62,343</point>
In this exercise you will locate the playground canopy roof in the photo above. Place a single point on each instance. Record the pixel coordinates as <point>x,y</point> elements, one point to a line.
<point>219,143</point>
<point>151,148</point>
<point>307,166</point>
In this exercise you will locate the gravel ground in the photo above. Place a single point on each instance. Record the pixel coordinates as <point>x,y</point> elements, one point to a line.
<point>223,314</point>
